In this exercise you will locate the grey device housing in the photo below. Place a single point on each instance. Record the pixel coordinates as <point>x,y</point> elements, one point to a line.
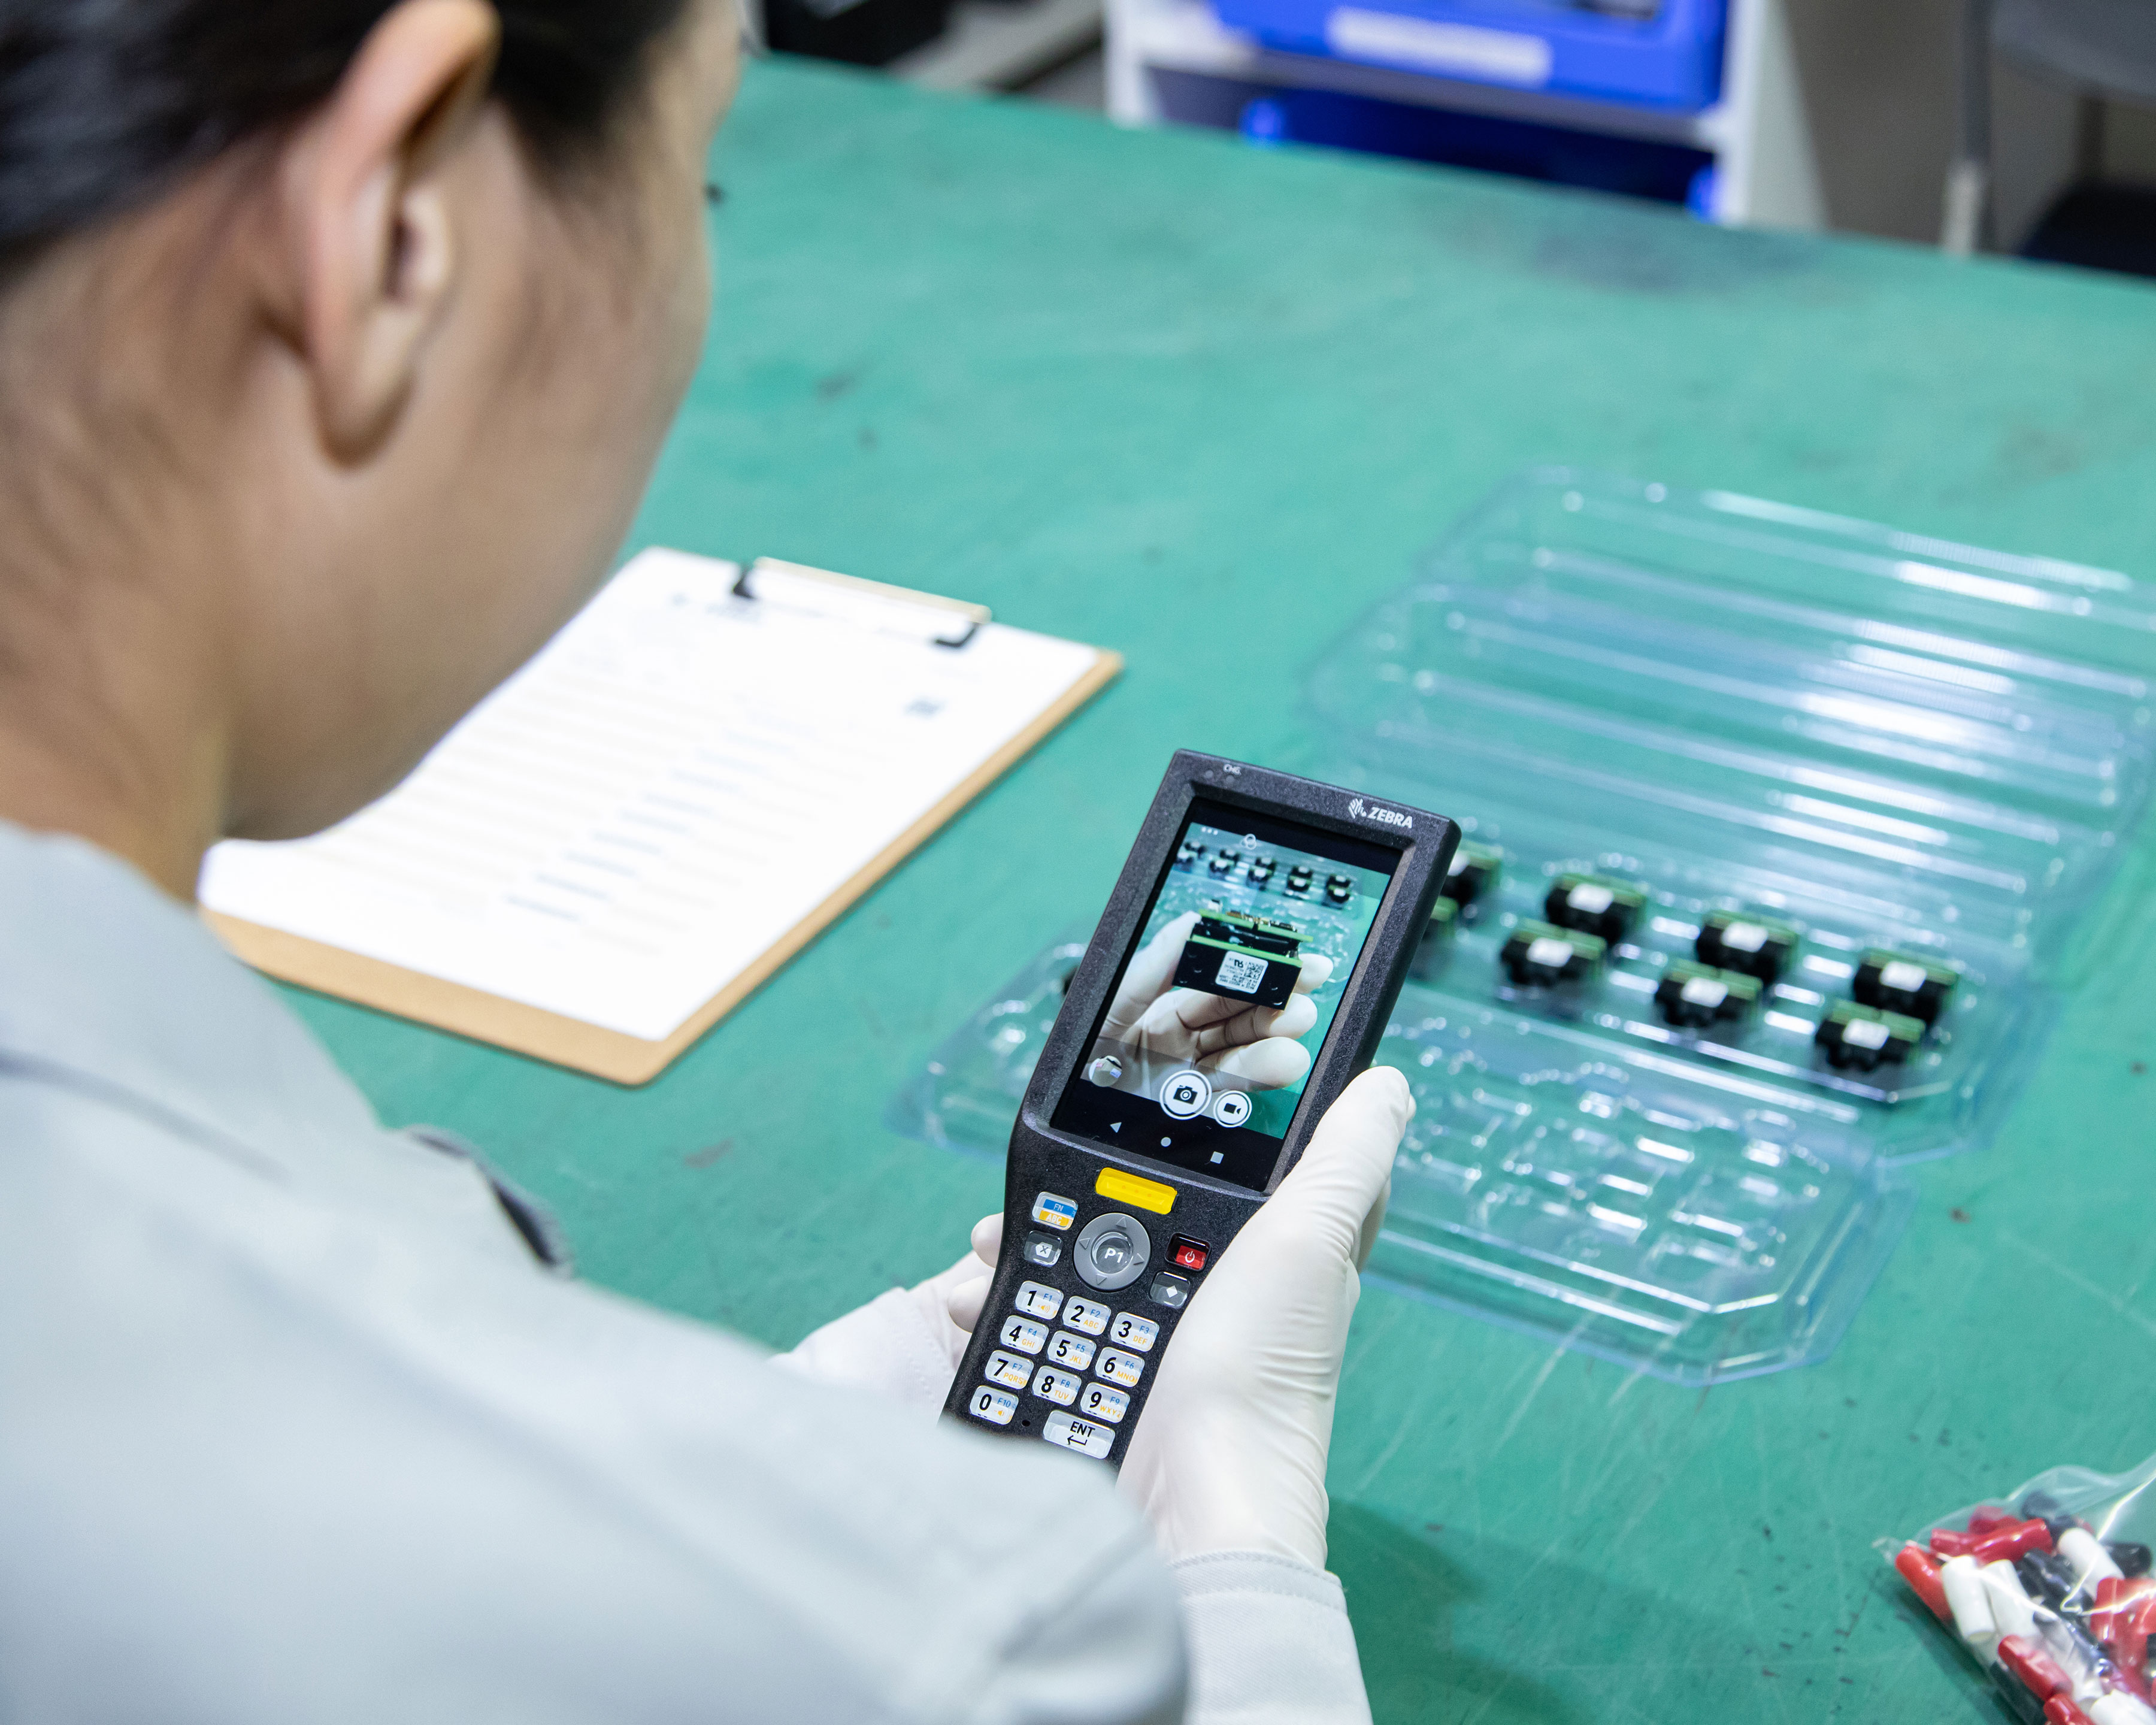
<point>1206,1208</point>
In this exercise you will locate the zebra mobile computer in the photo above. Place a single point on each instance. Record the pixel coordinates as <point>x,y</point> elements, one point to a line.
<point>1242,974</point>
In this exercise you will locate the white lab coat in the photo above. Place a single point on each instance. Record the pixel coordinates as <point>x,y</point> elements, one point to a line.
<point>295,1427</point>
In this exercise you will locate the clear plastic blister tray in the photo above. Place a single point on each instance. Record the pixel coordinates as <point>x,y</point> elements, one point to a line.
<point>1877,742</point>
<point>1903,757</point>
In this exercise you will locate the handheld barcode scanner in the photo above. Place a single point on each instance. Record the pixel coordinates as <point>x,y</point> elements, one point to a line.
<point>1241,975</point>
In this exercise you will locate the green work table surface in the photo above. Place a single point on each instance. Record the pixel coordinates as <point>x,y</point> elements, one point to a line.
<point>1202,404</point>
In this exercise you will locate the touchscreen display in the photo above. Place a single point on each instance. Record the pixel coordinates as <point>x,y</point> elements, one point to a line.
<point>1220,1010</point>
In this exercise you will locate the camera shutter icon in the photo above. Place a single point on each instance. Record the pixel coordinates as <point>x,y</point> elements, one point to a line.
<point>1186,1095</point>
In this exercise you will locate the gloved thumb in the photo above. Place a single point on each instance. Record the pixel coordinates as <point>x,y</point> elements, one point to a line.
<point>1339,1188</point>
<point>967,1287</point>
<point>1231,1452</point>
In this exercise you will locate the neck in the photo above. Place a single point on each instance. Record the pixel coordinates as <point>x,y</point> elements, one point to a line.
<point>115,720</point>
<point>110,728</point>
<point>46,793</point>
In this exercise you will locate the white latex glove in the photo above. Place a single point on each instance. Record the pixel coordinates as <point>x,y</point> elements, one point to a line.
<point>1229,1453</point>
<point>906,1344</point>
<point>1252,1045</point>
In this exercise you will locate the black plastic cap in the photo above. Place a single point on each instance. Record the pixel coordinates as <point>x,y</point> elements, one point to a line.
<point>2130,1555</point>
<point>2019,1701</point>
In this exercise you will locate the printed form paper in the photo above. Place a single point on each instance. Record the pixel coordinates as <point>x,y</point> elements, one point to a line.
<point>678,780</point>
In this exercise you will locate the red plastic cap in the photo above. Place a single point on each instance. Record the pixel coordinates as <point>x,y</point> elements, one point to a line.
<point>2104,1617</point>
<point>2038,1673</point>
<point>1985,1517</point>
<point>2046,1677</point>
<point>2059,1711</point>
<point>2008,1539</point>
<point>1922,1575</point>
<point>2010,1543</point>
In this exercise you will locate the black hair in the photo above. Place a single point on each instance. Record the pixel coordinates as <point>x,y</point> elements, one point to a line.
<point>103,103</point>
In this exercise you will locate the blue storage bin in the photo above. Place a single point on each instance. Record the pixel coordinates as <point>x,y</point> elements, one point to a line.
<point>1671,60</point>
<point>1490,143</point>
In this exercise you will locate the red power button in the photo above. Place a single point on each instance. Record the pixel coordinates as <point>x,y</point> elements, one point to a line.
<point>1187,1254</point>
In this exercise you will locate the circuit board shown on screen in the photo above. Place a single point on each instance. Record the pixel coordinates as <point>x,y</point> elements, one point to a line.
<point>1243,972</point>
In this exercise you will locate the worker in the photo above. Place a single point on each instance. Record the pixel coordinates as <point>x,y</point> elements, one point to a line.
<point>337,339</point>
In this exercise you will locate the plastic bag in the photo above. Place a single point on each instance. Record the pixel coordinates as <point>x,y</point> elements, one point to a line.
<point>2049,1589</point>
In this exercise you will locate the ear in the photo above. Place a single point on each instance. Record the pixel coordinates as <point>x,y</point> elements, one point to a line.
<point>370,219</point>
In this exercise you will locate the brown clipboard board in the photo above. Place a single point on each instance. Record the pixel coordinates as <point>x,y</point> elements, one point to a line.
<point>564,1041</point>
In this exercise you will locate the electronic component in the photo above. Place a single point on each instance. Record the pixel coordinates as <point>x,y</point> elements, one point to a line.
<point>1895,982</point>
<point>2046,1577</point>
<point>1538,955</point>
<point>1298,880</point>
<point>1251,959</point>
<point>1339,889</point>
<point>1692,997</point>
<point>1921,1570</point>
<point>1998,1542</point>
<point>1223,861</point>
<point>1864,1038</point>
<point>1593,905</point>
<point>1186,854</point>
<point>1436,942</point>
<point>1134,1163</point>
<point>1262,870</point>
<point>1474,869</point>
<point>2049,1625</point>
<point>1729,941</point>
<point>1969,1603</point>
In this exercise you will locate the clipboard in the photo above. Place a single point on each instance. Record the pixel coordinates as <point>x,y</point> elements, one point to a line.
<point>417,907</point>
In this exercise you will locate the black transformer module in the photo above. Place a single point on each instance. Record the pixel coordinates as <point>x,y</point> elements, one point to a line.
<point>1593,905</point>
<point>1130,1172</point>
<point>1541,955</point>
<point>1242,957</point>
<point>1863,1038</point>
<point>1475,867</point>
<point>1730,941</point>
<point>1692,997</point>
<point>1895,982</point>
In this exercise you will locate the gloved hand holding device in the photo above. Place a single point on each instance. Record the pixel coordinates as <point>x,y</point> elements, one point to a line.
<point>906,1344</point>
<point>1183,1157</point>
<point>1232,1454</point>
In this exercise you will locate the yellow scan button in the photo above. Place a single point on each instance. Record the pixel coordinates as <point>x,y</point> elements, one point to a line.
<point>1153,1195</point>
